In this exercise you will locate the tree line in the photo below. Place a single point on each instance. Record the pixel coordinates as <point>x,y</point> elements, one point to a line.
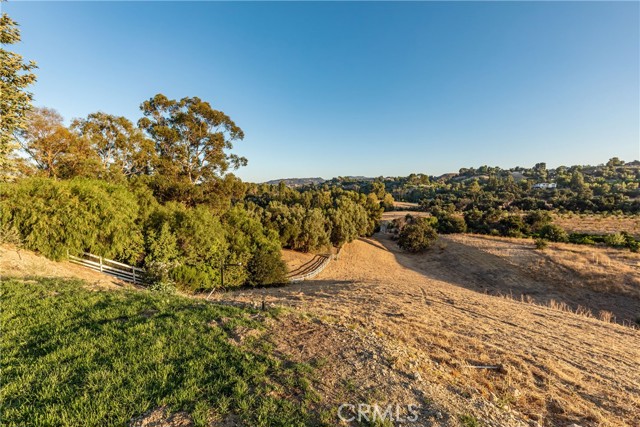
<point>158,193</point>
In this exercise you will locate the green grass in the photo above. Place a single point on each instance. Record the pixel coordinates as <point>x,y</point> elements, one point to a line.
<point>76,357</point>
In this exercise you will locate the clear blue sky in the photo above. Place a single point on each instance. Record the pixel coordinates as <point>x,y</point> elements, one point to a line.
<point>328,89</point>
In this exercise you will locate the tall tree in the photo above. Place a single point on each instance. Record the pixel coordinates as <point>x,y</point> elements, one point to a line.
<point>54,149</point>
<point>191,138</point>
<point>15,77</point>
<point>122,148</point>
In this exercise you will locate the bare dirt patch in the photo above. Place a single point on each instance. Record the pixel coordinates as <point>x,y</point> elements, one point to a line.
<point>161,417</point>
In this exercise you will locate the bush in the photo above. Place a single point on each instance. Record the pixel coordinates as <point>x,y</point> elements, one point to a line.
<point>448,223</point>
<point>553,233</point>
<point>194,278</point>
<point>541,244</point>
<point>60,217</point>
<point>581,239</point>
<point>417,236</point>
<point>537,219</point>
<point>267,267</point>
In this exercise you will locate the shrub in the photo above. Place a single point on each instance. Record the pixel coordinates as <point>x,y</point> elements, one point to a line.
<point>553,233</point>
<point>194,278</point>
<point>417,236</point>
<point>581,239</point>
<point>56,217</point>
<point>616,240</point>
<point>537,219</point>
<point>541,244</point>
<point>448,223</point>
<point>266,266</point>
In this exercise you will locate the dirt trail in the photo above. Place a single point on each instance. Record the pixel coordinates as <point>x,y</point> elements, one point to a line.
<point>423,327</point>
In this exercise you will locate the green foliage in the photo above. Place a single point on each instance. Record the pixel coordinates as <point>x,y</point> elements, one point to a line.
<point>75,357</point>
<point>190,138</point>
<point>553,233</point>
<point>253,246</point>
<point>191,279</point>
<point>581,239</point>
<point>541,244</point>
<point>15,76</point>
<point>537,219</point>
<point>314,234</point>
<point>121,147</point>
<point>348,220</point>
<point>417,236</point>
<point>56,217</point>
<point>448,223</point>
<point>616,240</point>
<point>512,226</point>
<point>266,267</point>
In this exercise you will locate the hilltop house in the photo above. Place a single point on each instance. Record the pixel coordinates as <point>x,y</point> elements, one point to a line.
<point>545,185</point>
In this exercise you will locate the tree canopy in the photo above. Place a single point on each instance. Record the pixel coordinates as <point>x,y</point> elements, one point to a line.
<point>15,76</point>
<point>191,138</point>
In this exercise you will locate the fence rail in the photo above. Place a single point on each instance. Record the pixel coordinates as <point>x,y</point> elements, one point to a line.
<point>313,273</point>
<point>125,272</point>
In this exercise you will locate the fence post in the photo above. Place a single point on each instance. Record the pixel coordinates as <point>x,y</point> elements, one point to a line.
<point>134,275</point>
<point>100,264</point>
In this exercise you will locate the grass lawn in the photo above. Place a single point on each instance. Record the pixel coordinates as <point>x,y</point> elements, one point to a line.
<point>78,357</point>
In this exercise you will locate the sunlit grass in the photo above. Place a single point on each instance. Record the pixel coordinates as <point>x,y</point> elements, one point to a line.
<point>77,357</point>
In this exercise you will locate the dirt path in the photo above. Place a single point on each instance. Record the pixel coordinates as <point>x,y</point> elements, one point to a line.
<point>414,323</point>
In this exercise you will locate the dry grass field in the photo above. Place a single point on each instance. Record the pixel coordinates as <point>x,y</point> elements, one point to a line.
<point>598,224</point>
<point>476,331</point>
<point>394,327</point>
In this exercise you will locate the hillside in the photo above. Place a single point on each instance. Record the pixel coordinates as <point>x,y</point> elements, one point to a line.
<point>406,328</point>
<point>384,327</point>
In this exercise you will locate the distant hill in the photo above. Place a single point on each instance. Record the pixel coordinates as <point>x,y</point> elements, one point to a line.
<point>296,182</point>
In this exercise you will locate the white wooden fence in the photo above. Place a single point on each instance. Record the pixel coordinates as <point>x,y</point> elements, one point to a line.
<point>125,272</point>
<point>313,273</point>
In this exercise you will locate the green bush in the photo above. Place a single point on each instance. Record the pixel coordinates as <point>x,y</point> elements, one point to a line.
<point>616,240</point>
<point>448,223</point>
<point>56,217</point>
<point>553,233</point>
<point>541,244</point>
<point>266,266</point>
<point>581,239</point>
<point>194,278</point>
<point>417,236</point>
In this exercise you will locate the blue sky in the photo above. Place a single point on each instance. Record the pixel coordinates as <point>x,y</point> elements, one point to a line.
<point>329,89</point>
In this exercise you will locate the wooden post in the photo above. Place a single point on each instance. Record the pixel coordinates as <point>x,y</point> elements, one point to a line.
<point>134,275</point>
<point>100,264</point>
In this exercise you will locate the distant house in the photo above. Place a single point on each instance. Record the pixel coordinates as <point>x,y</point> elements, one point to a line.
<point>545,185</point>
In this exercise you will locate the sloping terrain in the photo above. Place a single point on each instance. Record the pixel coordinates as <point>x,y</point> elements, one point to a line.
<point>400,328</point>
<point>384,327</point>
<point>15,262</point>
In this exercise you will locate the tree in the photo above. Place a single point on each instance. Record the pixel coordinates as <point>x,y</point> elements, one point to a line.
<point>191,138</point>
<point>15,101</point>
<point>417,236</point>
<point>540,171</point>
<point>54,149</point>
<point>122,148</point>
<point>553,233</point>
<point>577,181</point>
